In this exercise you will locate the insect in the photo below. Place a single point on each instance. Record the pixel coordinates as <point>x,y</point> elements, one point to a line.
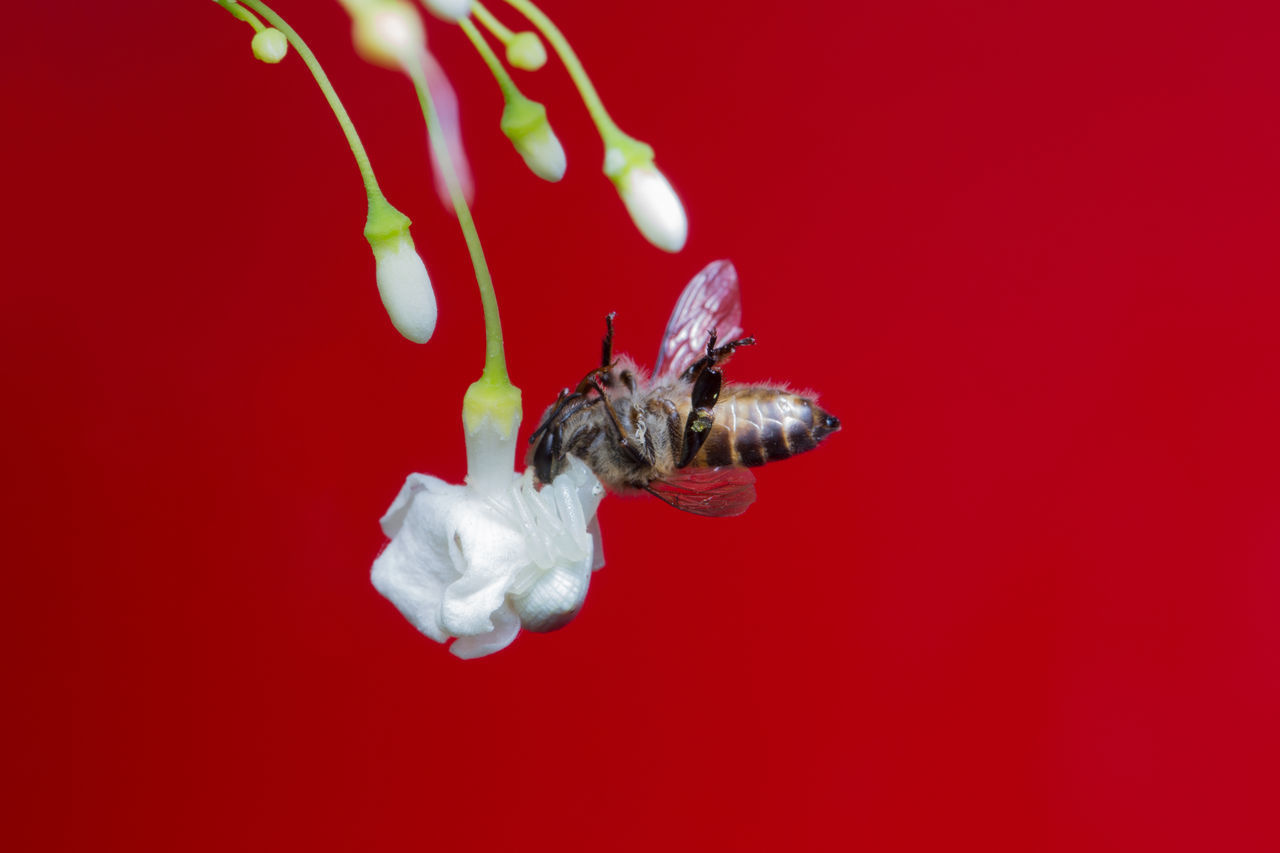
<point>682,435</point>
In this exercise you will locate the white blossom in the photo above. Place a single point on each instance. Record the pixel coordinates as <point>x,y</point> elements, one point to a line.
<point>653,204</point>
<point>386,32</point>
<point>525,123</point>
<point>480,561</point>
<point>449,10</point>
<point>405,287</point>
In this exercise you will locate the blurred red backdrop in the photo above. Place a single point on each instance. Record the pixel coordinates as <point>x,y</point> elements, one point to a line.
<point>1026,599</point>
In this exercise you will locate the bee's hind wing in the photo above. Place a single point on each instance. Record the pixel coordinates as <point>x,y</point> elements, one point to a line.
<point>707,491</point>
<point>709,301</point>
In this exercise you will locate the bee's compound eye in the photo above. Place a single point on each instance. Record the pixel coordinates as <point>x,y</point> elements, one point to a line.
<point>543,456</point>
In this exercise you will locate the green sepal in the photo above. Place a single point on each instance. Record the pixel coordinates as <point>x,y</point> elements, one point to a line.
<point>522,116</point>
<point>384,221</point>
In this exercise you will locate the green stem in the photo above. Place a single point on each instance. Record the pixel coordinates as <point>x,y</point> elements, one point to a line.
<point>505,83</point>
<point>242,14</point>
<point>492,24</point>
<point>495,362</point>
<point>382,216</point>
<point>609,131</point>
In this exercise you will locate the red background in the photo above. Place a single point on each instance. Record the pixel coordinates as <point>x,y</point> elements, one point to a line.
<point>1025,600</point>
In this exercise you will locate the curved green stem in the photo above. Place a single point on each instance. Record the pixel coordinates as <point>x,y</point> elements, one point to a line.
<point>500,75</point>
<point>492,24</point>
<point>495,361</point>
<point>242,14</point>
<point>609,131</point>
<point>383,218</point>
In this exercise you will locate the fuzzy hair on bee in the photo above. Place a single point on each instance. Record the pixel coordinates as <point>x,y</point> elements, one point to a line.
<point>680,434</point>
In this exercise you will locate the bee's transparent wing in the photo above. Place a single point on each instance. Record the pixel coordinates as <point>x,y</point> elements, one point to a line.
<point>709,301</point>
<point>707,491</point>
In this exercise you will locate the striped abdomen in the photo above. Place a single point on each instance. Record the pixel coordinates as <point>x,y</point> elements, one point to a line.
<point>754,425</point>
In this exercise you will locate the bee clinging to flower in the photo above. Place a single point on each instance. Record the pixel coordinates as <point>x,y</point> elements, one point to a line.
<point>682,435</point>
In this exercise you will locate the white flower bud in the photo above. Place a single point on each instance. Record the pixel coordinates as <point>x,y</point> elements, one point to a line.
<point>405,287</point>
<point>526,51</point>
<point>449,10</point>
<point>525,124</point>
<point>386,32</point>
<point>652,203</point>
<point>270,45</point>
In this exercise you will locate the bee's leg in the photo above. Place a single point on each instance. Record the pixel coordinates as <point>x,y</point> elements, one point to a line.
<point>641,455</point>
<point>552,414</point>
<point>715,355</point>
<point>706,391</point>
<point>606,346</point>
<point>551,449</point>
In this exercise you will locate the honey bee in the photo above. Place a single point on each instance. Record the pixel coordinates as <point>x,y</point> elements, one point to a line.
<point>683,435</point>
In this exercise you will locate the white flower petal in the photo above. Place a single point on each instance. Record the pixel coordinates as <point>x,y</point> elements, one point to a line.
<point>542,152</point>
<point>414,570</point>
<point>491,550</point>
<point>506,624</point>
<point>386,32</point>
<point>449,10</point>
<point>405,287</point>
<point>654,206</point>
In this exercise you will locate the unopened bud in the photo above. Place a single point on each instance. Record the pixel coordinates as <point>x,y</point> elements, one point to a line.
<point>525,124</point>
<point>525,51</point>
<point>405,286</point>
<point>270,45</point>
<point>652,203</point>
<point>386,32</point>
<point>449,10</point>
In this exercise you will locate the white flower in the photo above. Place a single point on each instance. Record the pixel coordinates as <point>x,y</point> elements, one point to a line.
<point>405,286</point>
<point>386,32</point>
<point>652,203</point>
<point>480,561</point>
<point>525,123</point>
<point>449,10</point>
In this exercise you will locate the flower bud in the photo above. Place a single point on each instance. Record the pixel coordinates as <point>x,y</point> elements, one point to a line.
<point>270,45</point>
<point>652,203</point>
<point>405,286</point>
<point>386,32</point>
<point>449,10</point>
<point>525,51</point>
<point>525,124</point>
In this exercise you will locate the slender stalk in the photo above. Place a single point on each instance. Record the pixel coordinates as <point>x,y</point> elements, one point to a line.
<point>495,362</point>
<point>242,14</point>
<point>500,75</point>
<point>609,131</point>
<point>492,24</point>
<point>379,207</point>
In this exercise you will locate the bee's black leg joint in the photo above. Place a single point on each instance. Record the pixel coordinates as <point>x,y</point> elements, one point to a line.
<point>715,355</point>
<point>606,346</point>
<point>706,392</point>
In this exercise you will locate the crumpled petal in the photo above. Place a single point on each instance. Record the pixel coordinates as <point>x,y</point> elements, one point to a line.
<point>486,548</point>
<point>414,570</point>
<point>506,624</point>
